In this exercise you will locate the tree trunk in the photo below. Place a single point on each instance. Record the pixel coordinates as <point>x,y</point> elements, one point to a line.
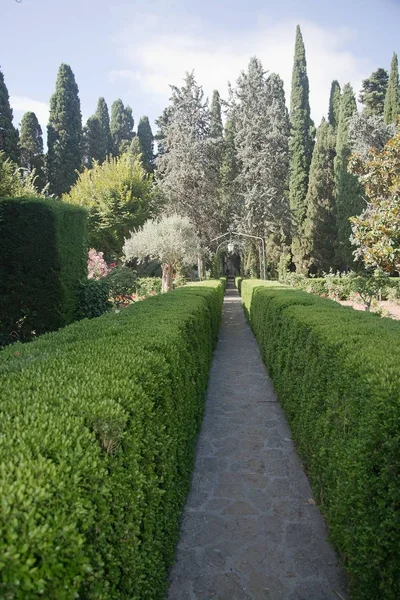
<point>166,285</point>
<point>200,267</point>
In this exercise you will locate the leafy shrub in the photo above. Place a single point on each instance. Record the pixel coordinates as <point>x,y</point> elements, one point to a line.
<point>97,424</point>
<point>43,261</point>
<point>238,283</point>
<point>147,286</point>
<point>336,374</point>
<point>93,299</point>
<point>122,283</point>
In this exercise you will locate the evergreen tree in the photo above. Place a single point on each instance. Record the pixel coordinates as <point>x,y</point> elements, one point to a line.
<point>64,133</point>
<point>93,142</point>
<point>8,133</point>
<point>320,225</point>
<point>229,200</point>
<point>373,92</point>
<point>301,146</point>
<point>31,148</point>
<point>104,118</point>
<point>392,100</point>
<point>348,190</point>
<point>146,143</point>
<point>121,126</point>
<point>216,127</point>
<point>334,104</point>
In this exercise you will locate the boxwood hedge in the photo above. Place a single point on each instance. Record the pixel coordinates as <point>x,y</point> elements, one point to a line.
<point>97,430</point>
<point>336,373</point>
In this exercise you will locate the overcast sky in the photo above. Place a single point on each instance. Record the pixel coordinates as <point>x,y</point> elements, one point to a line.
<point>134,50</point>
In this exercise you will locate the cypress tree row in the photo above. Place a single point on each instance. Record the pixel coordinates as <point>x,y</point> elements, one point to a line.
<point>392,100</point>
<point>31,148</point>
<point>8,133</point>
<point>104,118</point>
<point>121,127</point>
<point>373,93</point>
<point>93,142</point>
<point>348,189</point>
<point>334,104</point>
<point>301,147</point>
<point>229,172</point>
<point>146,143</point>
<point>320,225</point>
<point>64,134</point>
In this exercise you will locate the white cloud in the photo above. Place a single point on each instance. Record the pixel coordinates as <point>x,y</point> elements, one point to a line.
<point>163,50</point>
<point>22,104</point>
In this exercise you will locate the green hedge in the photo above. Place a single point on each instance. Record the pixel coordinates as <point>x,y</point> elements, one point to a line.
<point>98,423</point>
<point>238,283</point>
<point>43,259</point>
<point>336,373</point>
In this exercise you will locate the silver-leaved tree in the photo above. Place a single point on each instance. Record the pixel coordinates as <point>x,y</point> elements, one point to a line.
<point>171,240</point>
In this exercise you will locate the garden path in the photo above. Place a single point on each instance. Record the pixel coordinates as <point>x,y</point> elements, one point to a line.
<point>250,528</point>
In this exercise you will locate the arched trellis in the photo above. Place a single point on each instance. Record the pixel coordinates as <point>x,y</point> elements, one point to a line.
<point>247,235</point>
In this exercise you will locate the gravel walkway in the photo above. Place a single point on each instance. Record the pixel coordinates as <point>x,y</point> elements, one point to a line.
<point>250,528</point>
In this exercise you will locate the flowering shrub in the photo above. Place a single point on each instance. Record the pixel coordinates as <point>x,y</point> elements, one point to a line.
<point>97,266</point>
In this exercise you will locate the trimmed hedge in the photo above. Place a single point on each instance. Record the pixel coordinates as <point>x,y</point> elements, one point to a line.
<point>43,260</point>
<point>336,373</point>
<point>98,423</point>
<point>238,283</point>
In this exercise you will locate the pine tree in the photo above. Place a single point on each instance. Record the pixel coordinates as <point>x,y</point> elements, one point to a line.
<point>146,143</point>
<point>347,187</point>
<point>64,133</point>
<point>216,127</point>
<point>320,225</point>
<point>31,148</point>
<point>8,133</point>
<point>93,142</point>
<point>334,104</point>
<point>373,92</point>
<point>121,126</point>
<point>392,100</point>
<point>301,146</point>
<point>104,118</point>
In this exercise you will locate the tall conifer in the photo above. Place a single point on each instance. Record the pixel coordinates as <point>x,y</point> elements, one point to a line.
<point>93,142</point>
<point>31,148</point>
<point>301,146</point>
<point>8,133</point>
<point>146,143</point>
<point>216,127</point>
<point>348,190</point>
<point>334,104</point>
<point>392,100</point>
<point>373,93</point>
<point>121,126</point>
<point>64,133</point>
<point>104,118</point>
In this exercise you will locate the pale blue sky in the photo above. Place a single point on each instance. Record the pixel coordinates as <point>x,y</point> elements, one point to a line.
<point>133,50</point>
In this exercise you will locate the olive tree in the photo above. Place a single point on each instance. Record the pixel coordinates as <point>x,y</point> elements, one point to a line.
<point>171,240</point>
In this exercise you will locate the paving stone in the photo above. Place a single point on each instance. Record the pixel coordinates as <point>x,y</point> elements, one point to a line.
<point>249,530</point>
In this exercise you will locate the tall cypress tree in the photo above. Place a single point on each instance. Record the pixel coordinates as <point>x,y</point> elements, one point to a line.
<point>216,127</point>
<point>392,100</point>
<point>229,198</point>
<point>64,133</point>
<point>373,92</point>
<point>93,142</point>
<point>320,225</point>
<point>334,104</point>
<point>348,189</point>
<point>146,143</point>
<point>104,118</point>
<point>8,133</point>
<point>301,146</point>
<point>31,148</point>
<point>121,126</point>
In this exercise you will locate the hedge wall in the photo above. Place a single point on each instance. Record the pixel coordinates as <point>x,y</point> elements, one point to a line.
<point>43,259</point>
<point>98,423</point>
<point>336,373</point>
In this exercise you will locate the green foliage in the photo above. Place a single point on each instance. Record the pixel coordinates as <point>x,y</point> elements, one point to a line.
<point>43,250</point>
<point>101,113</point>
<point>320,231</point>
<point>146,143</point>
<point>368,287</point>
<point>121,282</point>
<point>121,127</point>
<point>301,147</point>
<point>93,299</point>
<point>238,283</point>
<point>373,92</point>
<point>148,286</point>
<point>31,149</point>
<point>64,133</point>
<point>216,127</point>
<point>93,142</point>
<point>334,105</point>
<point>392,99</point>
<point>349,200</point>
<point>339,386</point>
<point>8,133</point>
<point>98,423</point>
<point>13,182</point>
<point>118,195</point>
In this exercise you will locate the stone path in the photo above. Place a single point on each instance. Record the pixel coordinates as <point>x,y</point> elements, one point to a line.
<point>250,529</point>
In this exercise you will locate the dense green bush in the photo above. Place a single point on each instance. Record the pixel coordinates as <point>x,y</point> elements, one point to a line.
<point>122,282</point>
<point>336,373</point>
<point>148,285</point>
<point>97,430</point>
<point>238,283</point>
<point>93,299</point>
<point>43,260</point>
